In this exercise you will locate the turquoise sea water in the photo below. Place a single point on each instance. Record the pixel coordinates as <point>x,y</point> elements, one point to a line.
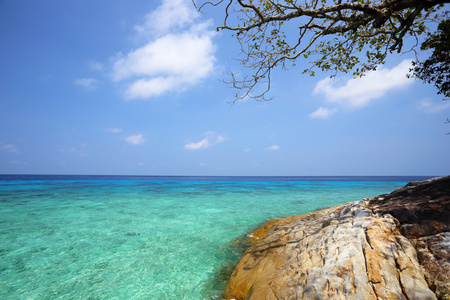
<point>105,237</point>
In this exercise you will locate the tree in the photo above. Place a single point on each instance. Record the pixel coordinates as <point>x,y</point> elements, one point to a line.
<point>436,69</point>
<point>335,35</point>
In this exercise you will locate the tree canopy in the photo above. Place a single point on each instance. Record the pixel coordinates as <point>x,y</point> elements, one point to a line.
<point>333,35</point>
<point>436,69</point>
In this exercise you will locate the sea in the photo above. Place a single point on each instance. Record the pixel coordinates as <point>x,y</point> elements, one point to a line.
<point>147,237</point>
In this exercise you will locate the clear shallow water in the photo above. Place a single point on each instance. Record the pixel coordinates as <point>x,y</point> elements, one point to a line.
<point>106,237</point>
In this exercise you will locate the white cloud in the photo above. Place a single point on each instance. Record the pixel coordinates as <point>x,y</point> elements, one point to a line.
<point>171,54</point>
<point>322,113</point>
<point>429,106</point>
<point>174,59</point>
<point>359,92</point>
<point>211,139</point>
<point>9,148</point>
<point>172,14</point>
<point>113,130</point>
<point>273,148</point>
<point>88,83</point>
<point>247,150</point>
<point>135,139</point>
<point>145,88</point>
<point>205,143</point>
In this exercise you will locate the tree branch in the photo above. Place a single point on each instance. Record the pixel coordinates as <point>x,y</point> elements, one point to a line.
<point>374,25</point>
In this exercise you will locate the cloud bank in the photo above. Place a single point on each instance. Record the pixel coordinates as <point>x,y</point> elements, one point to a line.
<point>358,93</point>
<point>170,15</point>
<point>180,53</point>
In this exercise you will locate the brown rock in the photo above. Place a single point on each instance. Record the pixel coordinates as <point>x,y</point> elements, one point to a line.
<point>261,231</point>
<point>434,256</point>
<point>343,252</point>
<point>422,209</point>
<point>395,246</point>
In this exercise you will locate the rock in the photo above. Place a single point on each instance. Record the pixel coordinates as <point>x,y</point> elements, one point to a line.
<point>434,255</point>
<point>422,209</point>
<point>340,253</point>
<point>261,231</point>
<point>351,251</point>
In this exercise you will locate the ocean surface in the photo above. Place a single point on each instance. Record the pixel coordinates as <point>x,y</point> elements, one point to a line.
<point>146,237</point>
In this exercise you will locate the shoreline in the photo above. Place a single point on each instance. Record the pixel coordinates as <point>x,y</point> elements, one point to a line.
<point>392,246</point>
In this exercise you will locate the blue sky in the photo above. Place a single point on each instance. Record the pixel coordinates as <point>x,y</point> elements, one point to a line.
<point>133,87</point>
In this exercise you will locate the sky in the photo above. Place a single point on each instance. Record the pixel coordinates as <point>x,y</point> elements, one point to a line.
<point>136,88</point>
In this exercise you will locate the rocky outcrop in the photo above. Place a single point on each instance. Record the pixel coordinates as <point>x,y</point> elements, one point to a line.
<point>422,210</point>
<point>360,250</point>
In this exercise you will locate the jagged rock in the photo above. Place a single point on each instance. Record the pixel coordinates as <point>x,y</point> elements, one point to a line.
<point>351,251</point>
<point>434,255</point>
<point>422,209</point>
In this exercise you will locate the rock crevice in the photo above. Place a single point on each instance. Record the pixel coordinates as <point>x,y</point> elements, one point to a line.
<point>387,247</point>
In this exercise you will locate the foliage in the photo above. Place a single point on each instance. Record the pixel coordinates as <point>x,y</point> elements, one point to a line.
<point>334,35</point>
<point>436,69</point>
